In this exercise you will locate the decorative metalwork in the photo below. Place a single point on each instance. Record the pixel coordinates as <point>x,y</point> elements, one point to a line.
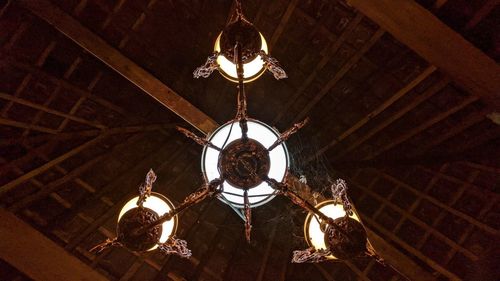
<point>273,66</point>
<point>310,255</point>
<point>286,134</point>
<point>248,217</point>
<point>339,192</point>
<point>197,139</point>
<point>244,163</point>
<point>136,218</point>
<point>146,187</point>
<point>349,243</point>
<point>175,246</point>
<point>109,242</point>
<point>206,69</point>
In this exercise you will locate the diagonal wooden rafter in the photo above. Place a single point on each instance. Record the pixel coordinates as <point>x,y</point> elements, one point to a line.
<point>432,90</point>
<point>421,31</point>
<point>329,51</point>
<point>27,250</point>
<point>158,90</point>
<point>397,96</point>
<point>353,60</point>
<point>121,64</point>
<point>50,111</point>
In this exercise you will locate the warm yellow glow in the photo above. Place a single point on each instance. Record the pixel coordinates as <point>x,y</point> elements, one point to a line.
<point>161,205</point>
<point>251,70</point>
<point>312,230</point>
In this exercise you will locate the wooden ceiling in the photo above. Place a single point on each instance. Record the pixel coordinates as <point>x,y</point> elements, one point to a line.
<point>402,97</point>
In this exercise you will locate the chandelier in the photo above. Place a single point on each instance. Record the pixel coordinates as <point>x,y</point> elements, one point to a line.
<point>245,164</point>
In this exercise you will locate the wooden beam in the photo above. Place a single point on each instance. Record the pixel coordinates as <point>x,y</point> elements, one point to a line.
<point>404,265</point>
<point>328,52</point>
<point>49,110</point>
<point>124,66</point>
<point>38,257</point>
<point>484,11</point>
<point>407,215</point>
<point>417,101</point>
<point>8,186</point>
<point>424,33</point>
<point>399,94</point>
<point>22,125</point>
<point>438,203</point>
<point>342,71</point>
<point>281,26</point>
<point>424,126</point>
<point>86,133</point>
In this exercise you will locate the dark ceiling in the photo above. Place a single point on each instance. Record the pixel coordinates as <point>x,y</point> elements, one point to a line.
<point>418,150</point>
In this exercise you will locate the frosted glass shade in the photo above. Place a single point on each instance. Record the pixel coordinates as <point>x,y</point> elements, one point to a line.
<point>266,136</point>
<point>313,234</point>
<point>251,70</point>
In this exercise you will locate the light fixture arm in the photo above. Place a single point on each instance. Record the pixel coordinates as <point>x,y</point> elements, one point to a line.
<point>207,190</point>
<point>284,188</point>
<point>286,134</point>
<point>199,140</point>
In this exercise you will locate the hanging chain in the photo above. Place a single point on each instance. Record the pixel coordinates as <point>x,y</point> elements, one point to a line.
<point>273,66</point>
<point>197,139</point>
<point>209,67</point>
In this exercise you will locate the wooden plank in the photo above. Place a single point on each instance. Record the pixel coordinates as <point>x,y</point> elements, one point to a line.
<point>22,125</point>
<point>343,71</point>
<point>484,11</point>
<point>429,123</point>
<point>404,265</point>
<point>124,66</point>
<point>424,33</point>
<point>284,20</point>
<point>38,257</point>
<point>329,51</point>
<point>399,94</point>
<point>49,110</point>
<point>417,101</point>
<point>8,186</point>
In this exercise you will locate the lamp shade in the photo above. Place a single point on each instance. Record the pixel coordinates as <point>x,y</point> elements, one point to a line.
<point>251,70</point>
<point>313,231</point>
<point>261,133</point>
<point>159,204</point>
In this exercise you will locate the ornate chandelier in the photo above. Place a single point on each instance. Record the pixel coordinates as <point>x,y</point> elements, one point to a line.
<point>244,167</point>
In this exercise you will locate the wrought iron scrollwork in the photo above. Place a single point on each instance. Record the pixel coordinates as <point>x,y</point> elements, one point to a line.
<point>109,242</point>
<point>175,246</point>
<point>273,66</point>
<point>206,69</point>
<point>339,192</point>
<point>310,255</point>
<point>146,187</point>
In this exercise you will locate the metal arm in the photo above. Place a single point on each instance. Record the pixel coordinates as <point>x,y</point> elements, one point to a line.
<point>197,139</point>
<point>284,189</point>
<point>207,190</point>
<point>286,134</point>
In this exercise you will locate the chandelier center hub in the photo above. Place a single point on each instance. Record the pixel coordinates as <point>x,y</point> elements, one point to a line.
<point>244,163</point>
